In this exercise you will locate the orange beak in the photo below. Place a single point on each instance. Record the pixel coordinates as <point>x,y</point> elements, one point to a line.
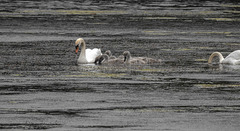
<point>77,48</point>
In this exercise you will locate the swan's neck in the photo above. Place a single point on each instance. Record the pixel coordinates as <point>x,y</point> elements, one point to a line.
<point>218,54</point>
<point>83,49</point>
<point>82,56</point>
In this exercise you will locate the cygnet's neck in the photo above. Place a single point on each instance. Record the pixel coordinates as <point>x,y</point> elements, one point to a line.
<point>127,57</point>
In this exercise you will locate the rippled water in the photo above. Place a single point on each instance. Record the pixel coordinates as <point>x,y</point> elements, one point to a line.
<point>42,87</point>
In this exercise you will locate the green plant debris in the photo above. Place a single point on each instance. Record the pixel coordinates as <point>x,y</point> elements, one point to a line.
<point>216,85</point>
<point>160,18</point>
<point>234,6</point>
<point>150,70</point>
<point>158,33</point>
<point>200,59</point>
<point>222,19</point>
<point>184,49</point>
<point>232,11</point>
<point>17,75</point>
<point>226,33</point>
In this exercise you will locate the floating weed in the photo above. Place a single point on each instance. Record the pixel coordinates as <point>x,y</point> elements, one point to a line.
<point>17,75</point>
<point>183,49</point>
<point>222,19</point>
<point>149,31</point>
<point>161,34</point>
<point>166,49</point>
<point>232,11</point>
<point>151,70</point>
<point>226,33</point>
<point>234,6</point>
<point>12,102</point>
<point>233,35</point>
<point>216,85</point>
<point>200,60</point>
<point>157,33</point>
<point>160,18</point>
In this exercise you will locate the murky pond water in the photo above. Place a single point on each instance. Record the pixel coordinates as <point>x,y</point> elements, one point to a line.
<point>42,87</point>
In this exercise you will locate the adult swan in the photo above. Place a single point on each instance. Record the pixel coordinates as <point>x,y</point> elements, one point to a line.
<point>232,59</point>
<point>86,55</point>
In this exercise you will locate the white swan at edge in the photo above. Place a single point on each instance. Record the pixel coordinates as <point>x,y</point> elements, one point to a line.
<point>86,55</point>
<point>232,59</point>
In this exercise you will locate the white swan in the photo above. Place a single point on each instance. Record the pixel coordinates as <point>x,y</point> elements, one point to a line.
<point>86,55</point>
<point>232,59</point>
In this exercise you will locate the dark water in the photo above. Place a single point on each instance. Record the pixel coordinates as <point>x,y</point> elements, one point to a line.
<point>42,87</point>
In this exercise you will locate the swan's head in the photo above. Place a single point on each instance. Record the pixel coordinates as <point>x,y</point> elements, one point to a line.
<point>126,55</point>
<point>78,43</point>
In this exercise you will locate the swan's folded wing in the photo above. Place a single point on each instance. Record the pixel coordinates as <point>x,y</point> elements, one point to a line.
<point>91,54</point>
<point>234,55</point>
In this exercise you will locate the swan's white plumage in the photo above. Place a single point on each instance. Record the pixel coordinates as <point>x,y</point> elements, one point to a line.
<point>233,58</point>
<point>234,55</point>
<point>86,55</point>
<point>91,54</point>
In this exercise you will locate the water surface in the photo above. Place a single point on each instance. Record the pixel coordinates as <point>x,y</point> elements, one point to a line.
<point>42,87</point>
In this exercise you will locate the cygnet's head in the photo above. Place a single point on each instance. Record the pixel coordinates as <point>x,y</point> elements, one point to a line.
<point>108,52</point>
